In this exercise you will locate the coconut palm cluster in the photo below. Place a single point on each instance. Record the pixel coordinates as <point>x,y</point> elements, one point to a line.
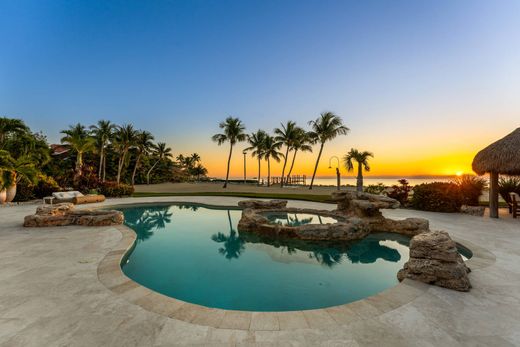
<point>286,142</point>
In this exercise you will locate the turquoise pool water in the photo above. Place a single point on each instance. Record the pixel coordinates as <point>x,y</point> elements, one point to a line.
<point>197,255</point>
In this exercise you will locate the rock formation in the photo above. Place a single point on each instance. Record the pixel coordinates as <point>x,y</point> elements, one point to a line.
<point>358,214</point>
<point>255,220</point>
<point>65,214</point>
<point>362,204</point>
<point>434,259</point>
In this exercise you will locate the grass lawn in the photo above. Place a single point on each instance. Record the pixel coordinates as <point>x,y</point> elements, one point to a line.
<point>305,197</point>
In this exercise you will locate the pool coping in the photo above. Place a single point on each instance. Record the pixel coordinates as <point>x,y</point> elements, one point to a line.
<point>110,274</point>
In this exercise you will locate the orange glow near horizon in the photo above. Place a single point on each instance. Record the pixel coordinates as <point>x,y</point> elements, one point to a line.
<point>422,152</point>
<point>448,164</point>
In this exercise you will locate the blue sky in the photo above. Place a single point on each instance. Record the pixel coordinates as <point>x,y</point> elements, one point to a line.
<point>412,79</point>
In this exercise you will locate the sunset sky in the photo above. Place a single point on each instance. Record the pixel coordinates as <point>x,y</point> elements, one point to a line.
<point>422,84</point>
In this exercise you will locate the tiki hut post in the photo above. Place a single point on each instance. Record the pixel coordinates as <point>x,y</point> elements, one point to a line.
<point>493,195</point>
<point>500,157</point>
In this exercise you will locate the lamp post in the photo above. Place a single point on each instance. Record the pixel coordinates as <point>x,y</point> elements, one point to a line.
<point>338,176</point>
<point>244,152</point>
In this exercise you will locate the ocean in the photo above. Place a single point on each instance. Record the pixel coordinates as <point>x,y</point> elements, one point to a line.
<point>386,180</point>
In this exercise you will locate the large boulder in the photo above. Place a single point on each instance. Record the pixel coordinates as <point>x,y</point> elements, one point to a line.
<point>408,227</point>
<point>54,210</point>
<point>434,259</point>
<point>362,204</point>
<point>64,214</point>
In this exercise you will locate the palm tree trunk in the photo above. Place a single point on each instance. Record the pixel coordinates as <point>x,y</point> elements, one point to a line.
<point>269,171</point>
<point>259,170</point>
<point>316,166</point>
<point>135,169</point>
<point>104,167</point>
<point>120,166</point>
<point>150,171</point>
<point>284,164</point>
<point>228,163</point>
<point>292,164</point>
<point>77,169</point>
<point>100,163</point>
<point>360,178</point>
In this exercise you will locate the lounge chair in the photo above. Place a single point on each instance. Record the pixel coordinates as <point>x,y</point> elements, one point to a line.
<point>76,197</point>
<point>514,205</point>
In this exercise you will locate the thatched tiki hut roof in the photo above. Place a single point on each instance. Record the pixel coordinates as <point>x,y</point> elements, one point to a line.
<point>500,157</point>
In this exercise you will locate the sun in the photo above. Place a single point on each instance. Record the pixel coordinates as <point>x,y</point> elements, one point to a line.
<point>459,173</point>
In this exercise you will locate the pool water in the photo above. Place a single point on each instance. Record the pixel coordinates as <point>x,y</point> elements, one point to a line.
<point>297,219</point>
<point>196,254</point>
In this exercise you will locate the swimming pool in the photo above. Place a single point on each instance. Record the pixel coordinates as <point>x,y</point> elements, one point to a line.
<point>195,254</point>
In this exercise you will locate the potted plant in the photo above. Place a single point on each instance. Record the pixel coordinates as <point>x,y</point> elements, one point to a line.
<point>12,171</point>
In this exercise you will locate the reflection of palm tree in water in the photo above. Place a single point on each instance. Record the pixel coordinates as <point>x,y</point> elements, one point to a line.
<point>369,250</point>
<point>145,220</point>
<point>233,244</point>
<point>327,256</point>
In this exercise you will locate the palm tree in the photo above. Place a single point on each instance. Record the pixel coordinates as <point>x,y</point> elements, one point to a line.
<point>301,143</point>
<point>327,127</point>
<point>286,135</point>
<point>125,138</point>
<point>233,132</point>
<point>195,158</point>
<point>161,151</point>
<point>103,133</point>
<point>12,170</point>
<point>79,141</point>
<point>271,150</point>
<point>257,142</point>
<point>362,159</point>
<point>199,170</point>
<point>10,126</point>
<point>143,143</point>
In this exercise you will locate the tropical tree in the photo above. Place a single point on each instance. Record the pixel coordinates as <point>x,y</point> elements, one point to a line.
<point>143,144</point>
<point>78,140</point>
<point>233,132</point>
<point>271,150</point>
<point>325,128</point>
<point>10,126</point>
<point>256,146</point>
<point>199,170</point>
<point>302,143</point>
<point>287,136</point>
<point>160,151</point>
<point>103,132</point>
<point>362,160</point>
<point>125,138</point>
<point>13,170</point>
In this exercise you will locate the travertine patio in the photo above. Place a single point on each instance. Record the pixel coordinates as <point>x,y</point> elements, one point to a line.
<point>59,286</point>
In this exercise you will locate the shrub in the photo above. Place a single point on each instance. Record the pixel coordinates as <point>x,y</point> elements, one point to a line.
<point>508,184</point>
<point>437,197</point>
<point>24,191</point>
<point>114,190</point>
<point>400,192</point>
<point>375,188</point>
<point>45,187</point>
<point>87,181</point>
<point>470,188</point>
